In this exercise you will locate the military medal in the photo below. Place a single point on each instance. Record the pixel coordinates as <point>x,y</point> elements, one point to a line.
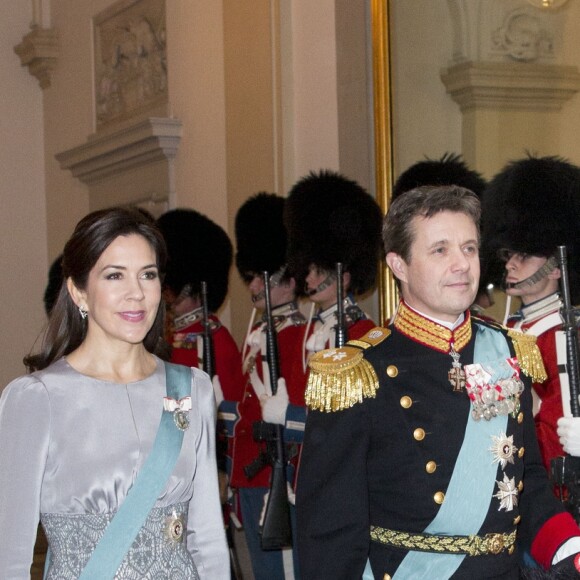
<point>494,388</point>
<point>456,373</point>
<point>180,410</point>
<point>507,493</point>
<point>503,449</point>
<point>174,527</point>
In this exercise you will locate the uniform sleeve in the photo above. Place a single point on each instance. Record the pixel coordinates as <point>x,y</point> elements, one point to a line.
<point>332,495</point>
<point>24,436</point>
<point>205,530</point>
<point>229,365</point>
<point>544,526</point>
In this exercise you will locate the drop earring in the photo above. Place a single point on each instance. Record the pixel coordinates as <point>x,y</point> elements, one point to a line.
<point>83,312</point>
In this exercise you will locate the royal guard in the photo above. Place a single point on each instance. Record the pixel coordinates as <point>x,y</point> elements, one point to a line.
<point>331,219</point>
<point>531,207</point>
<point>200,251</point>
<point>451,169</point>
<point>261,247</point>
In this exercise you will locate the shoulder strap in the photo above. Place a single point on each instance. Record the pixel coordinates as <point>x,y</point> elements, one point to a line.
<point>124,527</point>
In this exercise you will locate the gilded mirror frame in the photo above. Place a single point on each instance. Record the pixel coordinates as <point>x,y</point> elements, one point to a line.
<point>383,138</point>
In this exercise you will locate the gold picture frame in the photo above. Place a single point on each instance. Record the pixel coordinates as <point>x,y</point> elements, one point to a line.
<point>383,137</point>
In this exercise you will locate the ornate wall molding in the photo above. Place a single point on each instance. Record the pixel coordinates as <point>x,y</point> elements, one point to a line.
<point>39,51</point>
<point>511,85</point>
<point>111,155</point>
<point>505,30</point>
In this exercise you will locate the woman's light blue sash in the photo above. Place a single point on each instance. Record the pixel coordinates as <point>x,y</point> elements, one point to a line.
<point>471,486</point>
<point>124,527</point>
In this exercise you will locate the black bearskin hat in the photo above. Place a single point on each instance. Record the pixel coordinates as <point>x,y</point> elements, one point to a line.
<point>331,219</point>
<point>199,251</point>
<point>449,170</point>
<point>532,206</point>
<point>260,235</point>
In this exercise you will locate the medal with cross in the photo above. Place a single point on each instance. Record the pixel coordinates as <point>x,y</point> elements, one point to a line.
<point>456,373</point>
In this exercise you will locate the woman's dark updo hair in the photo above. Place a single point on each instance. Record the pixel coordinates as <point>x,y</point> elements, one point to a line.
<point>92,236</point>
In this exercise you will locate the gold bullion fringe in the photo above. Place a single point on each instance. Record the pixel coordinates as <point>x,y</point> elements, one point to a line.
<point>341,389</point>
<point>529,355</point>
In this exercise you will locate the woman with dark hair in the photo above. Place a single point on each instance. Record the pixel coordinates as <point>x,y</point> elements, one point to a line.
<point>109,446</point>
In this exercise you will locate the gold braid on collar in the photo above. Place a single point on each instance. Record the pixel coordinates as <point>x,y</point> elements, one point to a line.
<point>429,333</point>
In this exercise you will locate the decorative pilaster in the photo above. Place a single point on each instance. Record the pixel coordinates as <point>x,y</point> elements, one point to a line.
<point>508,75</point>
<point>39,51</point>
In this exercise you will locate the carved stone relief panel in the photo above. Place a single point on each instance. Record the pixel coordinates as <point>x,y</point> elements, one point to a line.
<point>130,60</point>
<point>505,31</point>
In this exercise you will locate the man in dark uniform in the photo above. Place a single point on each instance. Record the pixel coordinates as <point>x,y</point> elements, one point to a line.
<point>420,457</point>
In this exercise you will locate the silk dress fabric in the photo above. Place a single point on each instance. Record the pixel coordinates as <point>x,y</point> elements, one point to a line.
<point>72,445</point>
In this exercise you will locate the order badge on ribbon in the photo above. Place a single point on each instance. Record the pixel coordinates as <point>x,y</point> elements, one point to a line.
<point>180,410</point>
<point>494,389</point>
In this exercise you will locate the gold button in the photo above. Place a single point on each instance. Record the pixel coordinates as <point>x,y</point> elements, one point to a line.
<point>439,497</point>
<point>520,417</point>
<point>430,467</point>
<point>521,452</point>
<point>392,371</point>
<point>520,486</point>
<point>387,577</point>
<point>406,402</point>
<point>419,434</point>
<point>511,549</point>
<point>517,520</point>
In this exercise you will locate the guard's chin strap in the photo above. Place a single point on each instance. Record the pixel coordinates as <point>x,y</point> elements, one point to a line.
<point>329,280</point>
<point>275,279</point>
<point>548,267</point>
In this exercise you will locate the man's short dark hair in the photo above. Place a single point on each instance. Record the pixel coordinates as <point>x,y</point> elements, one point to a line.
<point>426,201</point>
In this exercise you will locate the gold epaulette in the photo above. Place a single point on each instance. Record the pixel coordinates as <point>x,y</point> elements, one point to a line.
<point>529,355</point>
<point>341,377</point>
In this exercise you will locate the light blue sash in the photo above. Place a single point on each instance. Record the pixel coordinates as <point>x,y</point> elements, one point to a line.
<point>124,527</point>
<point>463,511</point>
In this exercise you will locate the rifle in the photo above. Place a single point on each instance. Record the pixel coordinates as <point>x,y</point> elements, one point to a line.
<point>276,527</point>
<point>565,471</point>
<point>341,330</point>
<point>208,349</point>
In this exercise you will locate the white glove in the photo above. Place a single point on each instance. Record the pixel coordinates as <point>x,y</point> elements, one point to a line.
<point>569,433</point>
<point>217,389</point>
<point>274,407</point>
<point>258,385</point>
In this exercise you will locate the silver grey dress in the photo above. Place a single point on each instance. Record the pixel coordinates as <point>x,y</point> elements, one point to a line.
<point>71,447</point>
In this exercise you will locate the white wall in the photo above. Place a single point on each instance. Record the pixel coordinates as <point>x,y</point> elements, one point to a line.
<point>23,252</point>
